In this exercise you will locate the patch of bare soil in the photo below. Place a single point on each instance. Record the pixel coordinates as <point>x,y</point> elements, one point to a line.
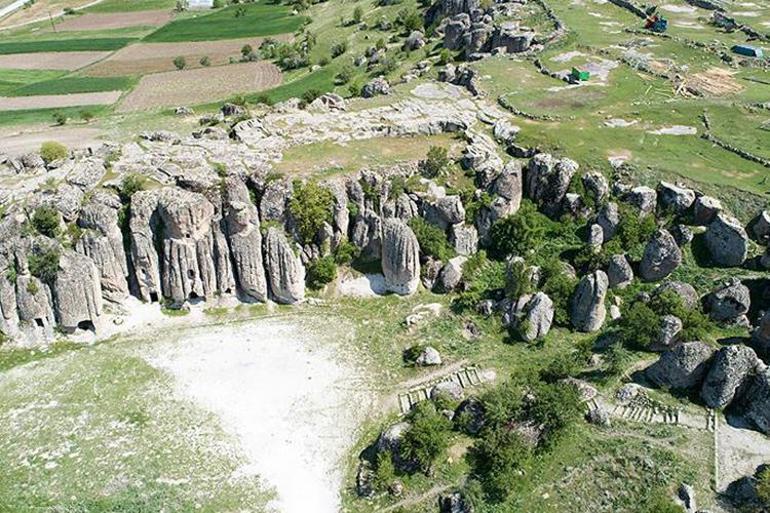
<point>175,88</point>
<point>67,61</point>
<point>58,100</point>
<point>116,20</point>
<point>16,143</point>
<point>713,82</point>
<point>740,451</point>
<point>146,58</point>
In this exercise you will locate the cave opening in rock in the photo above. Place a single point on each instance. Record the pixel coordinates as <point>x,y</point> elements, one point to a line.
<point>86,326</point>
<point>153,297</point>
<point>39,322</point>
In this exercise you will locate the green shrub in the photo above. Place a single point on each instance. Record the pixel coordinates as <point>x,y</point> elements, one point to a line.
<point>180,62</point>
<point>358,14</point>
<point>205,61</point>
<point>616,359</point>
<point>559,286</point>
<point>497,458</point>
<point>60,118</point>
<point>321,272</point>
<point>427,437</point>
<point>46,221</point>
<point>339,48</point>
<point>130,185</point>
<point>344,75</point>
<point>483,279</point>
<point>411,353</point>
<point>518,280</point>
<point>432,240</point>
<point>310,206</point>
<point>86,115</point>
<point>517,234</point>
<point>763,487</point>
<point>44,264</point>
<point>52,150</point>
<point>436,162</point>
<point>556,407</point>
<point>634,230</point>
<point>310,95</point>
<point>384,471</point>
<point>345,253</point>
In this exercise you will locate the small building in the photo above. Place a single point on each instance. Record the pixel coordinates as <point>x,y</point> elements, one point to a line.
<point>748,51</point>
<point>580,75</point>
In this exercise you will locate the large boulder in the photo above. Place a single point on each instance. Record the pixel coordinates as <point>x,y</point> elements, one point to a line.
<point>77,293</point>
<point>454,503</point>
<point>400,257</point>
<point>661,257</point>
<point>727,241</point>
<point>451,275</point>
<point>509,184</point>
<point>760,227</point>
<point>730,302</point>
<point>706,209</point>
<point>730,371</point>
<point>533,315</point>
<point>643,198</point>
<point>444,212</point>
<point>596,186</point>
<point>683,290</point>
<point>756,401</point>
<point>588,310</point>
<point>464,238</point>
<point>674,198</point>
<point>285,272</point>
<point>377,86</point>
<point>608,218</point>
<point>548,179</point>
<point>619,272</point>
<point>682,367</point>
<point>760,337</point>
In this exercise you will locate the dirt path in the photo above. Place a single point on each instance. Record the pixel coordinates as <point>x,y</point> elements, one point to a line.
<point>740,451</point>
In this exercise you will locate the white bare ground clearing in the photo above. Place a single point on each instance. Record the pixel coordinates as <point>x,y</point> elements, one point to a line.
<point>58,100</point>
<point>67,61</point>
<point>15,143</point>
<point>285,392</point>
<point>368,285</point>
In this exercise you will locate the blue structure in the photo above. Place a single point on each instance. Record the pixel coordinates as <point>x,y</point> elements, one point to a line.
<point>748,51</point>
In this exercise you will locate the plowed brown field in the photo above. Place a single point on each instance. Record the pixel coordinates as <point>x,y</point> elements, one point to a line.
<point>189,87</point>
<point>50,60</point>
<point>116,20</point>
<point>144,58</point>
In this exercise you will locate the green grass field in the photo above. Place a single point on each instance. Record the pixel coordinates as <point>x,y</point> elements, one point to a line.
<point>65,45</point>
<point>256,20</point>
<point>70,85</point>
<point>37,116</point>
<point>12,79</point>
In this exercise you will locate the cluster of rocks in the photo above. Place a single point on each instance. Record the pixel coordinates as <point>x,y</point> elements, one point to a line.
<point>470,29</point>
<point>733,376</point>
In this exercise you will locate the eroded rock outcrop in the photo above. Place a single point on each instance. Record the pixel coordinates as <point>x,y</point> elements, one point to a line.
<point>77,293</point>
<point>730,371</point>
<point>547,181</point>
<point>727,241</point>
<point>400,257</point>
<point>682,367</point>
<point>661,257</point>
<point>285,272</point>
<point>245,241</point>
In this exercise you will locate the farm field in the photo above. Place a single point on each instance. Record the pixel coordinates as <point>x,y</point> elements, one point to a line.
<point>191,87</point>
<point>108,21</point>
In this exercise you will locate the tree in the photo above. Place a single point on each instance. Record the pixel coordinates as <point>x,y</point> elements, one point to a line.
<point>497,458</point>
<point>763,487</point>
<point>436,162</point>
<point>310,206</point>
<point>44,264</point>
<point>180,62</point>
<point>344,75</point>
<point>321,272</point>
<point>52,150</point>
<point>412,21</point>
<point>131,184</point>
<point>46,221</point>
<point>205,61</point>
<point>639,326</point>
<point>517,234</point>
<point>427,436</point>
<point>432,239</point>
